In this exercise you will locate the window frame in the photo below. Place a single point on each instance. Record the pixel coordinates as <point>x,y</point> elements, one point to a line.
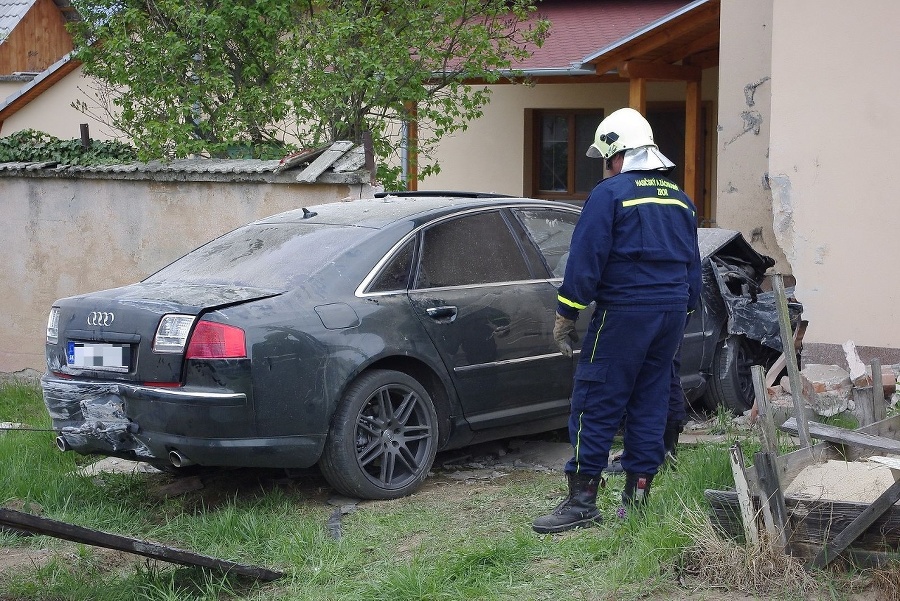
<point>533,130</point>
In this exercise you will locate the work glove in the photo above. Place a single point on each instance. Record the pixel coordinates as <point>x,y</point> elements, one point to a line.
<point>564,334</point>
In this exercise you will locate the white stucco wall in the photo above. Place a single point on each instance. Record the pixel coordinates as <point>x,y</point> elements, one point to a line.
<point>52,111</point>
<point>834,131</point>
<point>489,155</point>
<point>743,199</point>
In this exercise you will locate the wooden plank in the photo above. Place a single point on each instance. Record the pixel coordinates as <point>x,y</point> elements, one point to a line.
<point>892,463</point>
<point>862,397</point>
<point>325,160</point>
<point>38,525</point>
<point>813,523</point>
<point>849,534</point>
<point>766,424</point>
<point>771,496</point>
<point>745,496</point>
<point>772,374</point>
<point>878,402</point>
<point>843,436</point>
<point>297,158</point>
<point>784,327</point>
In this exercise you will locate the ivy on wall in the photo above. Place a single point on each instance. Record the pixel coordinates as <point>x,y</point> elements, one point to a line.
<point>32,146</point>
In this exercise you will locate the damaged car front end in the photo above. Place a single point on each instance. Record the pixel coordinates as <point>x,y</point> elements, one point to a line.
<point>742,309</point>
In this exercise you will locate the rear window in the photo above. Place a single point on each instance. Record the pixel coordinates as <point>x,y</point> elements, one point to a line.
<point>265,255</point>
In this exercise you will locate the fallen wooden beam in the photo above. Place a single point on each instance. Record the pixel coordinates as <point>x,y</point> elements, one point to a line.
<point>882,504</point>
<point>843,436</point>
<point>38,525</point>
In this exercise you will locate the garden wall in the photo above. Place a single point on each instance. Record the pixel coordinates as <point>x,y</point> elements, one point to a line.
<point>67,232</point>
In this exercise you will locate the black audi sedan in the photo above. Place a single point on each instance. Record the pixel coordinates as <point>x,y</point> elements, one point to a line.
<point>364,336</point>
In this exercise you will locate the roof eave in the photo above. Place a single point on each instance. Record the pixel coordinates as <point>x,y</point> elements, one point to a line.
<point>644,30</point>
<point>44,80</point>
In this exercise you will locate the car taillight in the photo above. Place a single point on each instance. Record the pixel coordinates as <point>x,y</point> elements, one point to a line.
<point>53,326</point>
<point>212,340</point>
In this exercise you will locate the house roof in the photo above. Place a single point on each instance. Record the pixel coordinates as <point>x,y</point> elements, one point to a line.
<point>11,12</point>
<point>590,40</point>
<point>580,27</point>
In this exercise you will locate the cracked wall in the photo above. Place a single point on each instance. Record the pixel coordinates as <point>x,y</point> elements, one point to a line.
<point>744,199</point>
<point>832,136</point>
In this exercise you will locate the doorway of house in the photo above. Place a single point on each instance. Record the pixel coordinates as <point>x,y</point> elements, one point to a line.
<point>667,121</point>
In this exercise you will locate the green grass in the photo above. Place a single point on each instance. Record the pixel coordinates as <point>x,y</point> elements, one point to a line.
<point>448,541</point>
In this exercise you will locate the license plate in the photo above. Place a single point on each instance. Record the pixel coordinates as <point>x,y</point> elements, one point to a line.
<point>99,355</point>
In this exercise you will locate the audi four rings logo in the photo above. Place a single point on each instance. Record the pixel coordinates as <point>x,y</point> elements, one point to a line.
<point>101,318</point>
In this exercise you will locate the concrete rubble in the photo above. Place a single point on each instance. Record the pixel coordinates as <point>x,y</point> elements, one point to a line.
<point>828,390</point>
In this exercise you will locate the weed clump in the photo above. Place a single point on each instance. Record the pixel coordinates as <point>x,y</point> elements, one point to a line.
<point>760,568</point>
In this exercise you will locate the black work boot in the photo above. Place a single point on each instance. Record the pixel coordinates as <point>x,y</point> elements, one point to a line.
<point>637,489</point>
<point>578,509</point>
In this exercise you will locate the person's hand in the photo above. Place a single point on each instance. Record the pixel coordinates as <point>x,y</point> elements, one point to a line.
<point>564,334</point>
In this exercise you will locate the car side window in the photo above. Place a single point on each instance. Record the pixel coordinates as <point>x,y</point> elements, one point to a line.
<point>394,276</point>
<point>551,232</point>
<point>473,249</point>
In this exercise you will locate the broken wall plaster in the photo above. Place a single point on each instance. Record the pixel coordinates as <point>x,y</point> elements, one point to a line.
<point>752,119</point>
<point>750,90</point>
<point>752,123</point>
<point>783,215</point>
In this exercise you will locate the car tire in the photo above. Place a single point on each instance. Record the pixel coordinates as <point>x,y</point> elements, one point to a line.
<point>731,388</point>
<point>383,438</point>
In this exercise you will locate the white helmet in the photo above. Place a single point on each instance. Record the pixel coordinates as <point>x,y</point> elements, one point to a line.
<point>623,129</point>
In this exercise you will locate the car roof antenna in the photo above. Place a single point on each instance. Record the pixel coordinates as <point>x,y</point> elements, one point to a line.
<point>307,213</point>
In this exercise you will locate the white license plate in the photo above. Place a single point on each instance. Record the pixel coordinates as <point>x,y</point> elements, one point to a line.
<point>99,355</point>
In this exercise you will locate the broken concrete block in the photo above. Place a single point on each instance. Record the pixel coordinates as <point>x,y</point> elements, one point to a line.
<point>827,389</point>
<point>785,384</point>
<point>818,377</point>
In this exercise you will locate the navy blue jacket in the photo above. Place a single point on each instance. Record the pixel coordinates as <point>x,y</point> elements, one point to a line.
<point>634,247</point>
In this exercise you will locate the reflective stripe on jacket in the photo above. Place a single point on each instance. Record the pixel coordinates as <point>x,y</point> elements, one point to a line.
<point>635,244</point>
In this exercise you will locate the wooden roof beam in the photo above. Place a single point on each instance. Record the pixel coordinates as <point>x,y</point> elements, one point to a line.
<point>701,44</point>
<point>658,71</point>
<point>677,29</point>
<point>704,60</point>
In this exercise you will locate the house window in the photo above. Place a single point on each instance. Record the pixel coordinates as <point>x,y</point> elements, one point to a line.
<point>556,165</point>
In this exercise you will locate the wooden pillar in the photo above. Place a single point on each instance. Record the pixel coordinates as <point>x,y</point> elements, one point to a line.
<point>692,140</point>
<point>637,94</point>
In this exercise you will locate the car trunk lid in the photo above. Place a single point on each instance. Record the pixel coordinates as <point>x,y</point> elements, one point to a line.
<point>111,336</point>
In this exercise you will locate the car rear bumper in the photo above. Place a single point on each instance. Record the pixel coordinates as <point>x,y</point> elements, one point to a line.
<point>165,425</point>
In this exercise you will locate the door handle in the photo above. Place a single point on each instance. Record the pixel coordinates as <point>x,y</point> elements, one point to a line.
<point>443,313</point>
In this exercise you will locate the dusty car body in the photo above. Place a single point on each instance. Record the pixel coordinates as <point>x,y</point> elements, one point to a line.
<point>362,337</point>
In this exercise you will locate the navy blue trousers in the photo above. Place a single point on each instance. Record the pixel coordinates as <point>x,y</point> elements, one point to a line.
<point>625,366</point>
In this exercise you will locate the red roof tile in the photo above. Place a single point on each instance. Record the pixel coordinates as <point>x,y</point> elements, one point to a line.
<point>580,28</point>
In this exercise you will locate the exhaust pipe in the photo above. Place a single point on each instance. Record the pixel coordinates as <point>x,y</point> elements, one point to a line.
<point>179,460</point>
<point>62,444</point>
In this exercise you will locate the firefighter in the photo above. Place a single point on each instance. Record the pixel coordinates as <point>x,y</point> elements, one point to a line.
<point>634,254</point>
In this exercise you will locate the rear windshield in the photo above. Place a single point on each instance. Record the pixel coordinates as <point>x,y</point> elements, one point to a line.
<point>277,256</point>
